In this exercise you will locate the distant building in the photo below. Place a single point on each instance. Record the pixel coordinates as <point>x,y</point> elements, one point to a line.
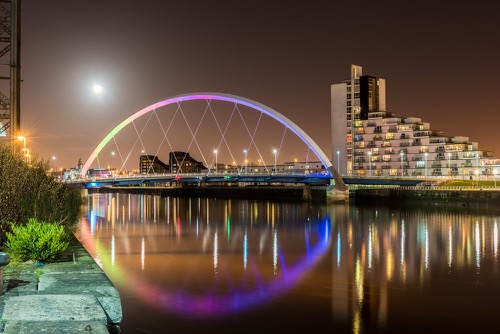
<point>151,164</point>
<point>369,141</point>
<point>182,162</point>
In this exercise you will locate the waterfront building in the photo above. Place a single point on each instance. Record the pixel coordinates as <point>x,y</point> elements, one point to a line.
<point>367,140</point>
<point>182,162</point>
<point>151,164</point>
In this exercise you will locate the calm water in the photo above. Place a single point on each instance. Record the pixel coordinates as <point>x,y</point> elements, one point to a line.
<point>238,266</point>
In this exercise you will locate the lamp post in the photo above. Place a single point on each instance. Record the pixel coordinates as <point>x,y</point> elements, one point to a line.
<point>477,167</point>
<point>370,162</point>
<point>24,150</point>
<point>401,158</point>
<point>275,152</point>
<point>215,152</point>
<point>112,160</point>
<point>449,165</point>
<point>24,141</point>
<point>245,161</point>
<point>425,155</point>
<point>338,162</point>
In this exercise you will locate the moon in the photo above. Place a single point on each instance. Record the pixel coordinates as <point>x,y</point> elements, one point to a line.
<point>97,88</point>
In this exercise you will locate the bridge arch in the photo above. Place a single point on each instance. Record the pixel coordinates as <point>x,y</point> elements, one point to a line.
<point>336,192</point>
<point>220,97</point>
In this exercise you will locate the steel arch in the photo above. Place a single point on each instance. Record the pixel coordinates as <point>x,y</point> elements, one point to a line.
<point>212,96</point>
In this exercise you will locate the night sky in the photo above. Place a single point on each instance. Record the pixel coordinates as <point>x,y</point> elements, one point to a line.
<point>440,60</point>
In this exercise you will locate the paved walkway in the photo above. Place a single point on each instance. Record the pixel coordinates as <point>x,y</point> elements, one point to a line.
<point>71,296</point>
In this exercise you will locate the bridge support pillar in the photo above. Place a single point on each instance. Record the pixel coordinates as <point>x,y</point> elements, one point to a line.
<point>337,191</point>
<point>306,193</point>
<point>334,195</point>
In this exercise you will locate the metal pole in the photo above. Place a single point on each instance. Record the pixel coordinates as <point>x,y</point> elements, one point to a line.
<point>15,69</point>
<point>215,151</point>
<point>425,154</point>
<point>275,151</point>
<point>338,162</point>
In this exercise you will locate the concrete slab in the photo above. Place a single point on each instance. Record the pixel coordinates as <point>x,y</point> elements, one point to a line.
<point>53,327</point>
<point>53,308</point>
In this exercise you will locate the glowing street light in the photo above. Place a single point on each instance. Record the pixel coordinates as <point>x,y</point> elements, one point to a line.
<point>215,152</point>
<point>25,150</point>
<point>370,162</point>
<point>425,155</point>
<point>338,162</point>
<point>24,141</point>
<point>401,159</point>
<point>275,151</point>
<point>449,165</point>
<point>112,160</point>
<point>245,153</point>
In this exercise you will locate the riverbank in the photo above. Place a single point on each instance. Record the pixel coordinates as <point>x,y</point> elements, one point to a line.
<point>454,196</point>
<point>462,196</point>
<point>73,295</point>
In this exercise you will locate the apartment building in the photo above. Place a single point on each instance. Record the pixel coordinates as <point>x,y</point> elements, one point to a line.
<point>367,140</point>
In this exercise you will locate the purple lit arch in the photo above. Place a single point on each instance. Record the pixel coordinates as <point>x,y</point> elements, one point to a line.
<point>220,97</point>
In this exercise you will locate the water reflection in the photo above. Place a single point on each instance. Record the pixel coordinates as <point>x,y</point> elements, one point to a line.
<point>348,267</point>
<point>248,244</point>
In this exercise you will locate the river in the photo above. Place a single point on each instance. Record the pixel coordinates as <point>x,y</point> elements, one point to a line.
<point>193,265</point>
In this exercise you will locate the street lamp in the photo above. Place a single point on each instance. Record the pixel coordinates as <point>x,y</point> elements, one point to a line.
<point>24,144</point>
<point>275,151</point>
<point>425,155</point>
<point>24,141</point>
<point>245,153</point>
<point>370,162</point>
<point>477,167</point>
<point>112,160</point>
<point>449,165</point>
<point>401,158</point>
<point>338,162</point>
<point>215,152</point>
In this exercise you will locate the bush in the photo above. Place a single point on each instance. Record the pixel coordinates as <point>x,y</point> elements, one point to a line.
<point>37,241</point>
<point>28,191</point>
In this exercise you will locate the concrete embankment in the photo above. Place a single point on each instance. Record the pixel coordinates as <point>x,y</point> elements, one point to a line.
<point>459,197</point>
<point>456,196</point>
<point>73,295</point>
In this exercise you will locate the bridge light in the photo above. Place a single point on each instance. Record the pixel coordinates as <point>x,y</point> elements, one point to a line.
<point>275,151</point>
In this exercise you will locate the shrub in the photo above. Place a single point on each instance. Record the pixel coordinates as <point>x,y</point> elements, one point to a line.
<point>37,241</point>
<point>28,191</point>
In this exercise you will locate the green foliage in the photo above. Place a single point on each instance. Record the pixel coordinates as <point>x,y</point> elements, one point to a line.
<point>28,191</point>
<point>38,241</point>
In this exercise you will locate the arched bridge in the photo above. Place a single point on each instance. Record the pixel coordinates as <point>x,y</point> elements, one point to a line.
<point>222,138</point>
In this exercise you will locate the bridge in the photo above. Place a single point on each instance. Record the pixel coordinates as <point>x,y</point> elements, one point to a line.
<point>200,178</point>
<point>225,132</point>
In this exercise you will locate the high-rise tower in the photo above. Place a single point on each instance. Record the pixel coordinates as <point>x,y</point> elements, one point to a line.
<point>351,101</point>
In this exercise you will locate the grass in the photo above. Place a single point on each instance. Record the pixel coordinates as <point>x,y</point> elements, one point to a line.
<point>473,183</point>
